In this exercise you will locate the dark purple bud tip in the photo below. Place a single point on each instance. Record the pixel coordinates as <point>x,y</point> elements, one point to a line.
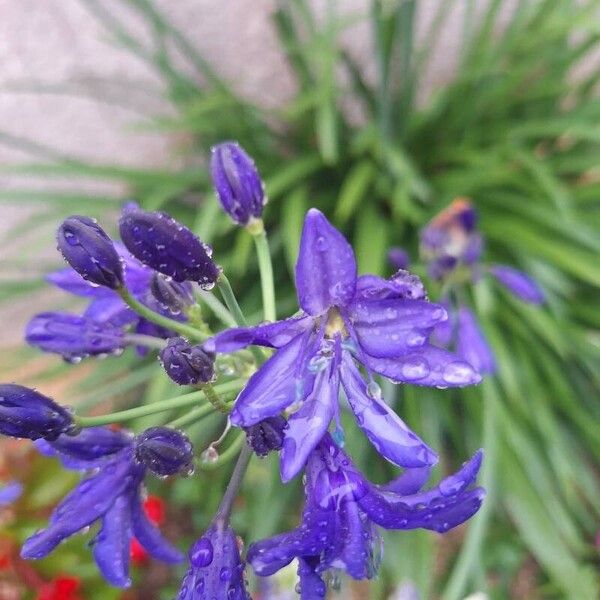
<point>165,451</point>
<point>164,244</point>
<point>237,182</point>
<point>186,364</point>
<point>266,435</point>
<point>87,248</point>
<point>173,296</point>
<point>25,413</point>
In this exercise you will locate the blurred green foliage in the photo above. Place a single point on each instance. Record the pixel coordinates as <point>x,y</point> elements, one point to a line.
<point>516,130</point>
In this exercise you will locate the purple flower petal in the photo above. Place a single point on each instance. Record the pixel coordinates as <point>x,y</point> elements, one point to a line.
<point>150,536</point>
<point>307,426</point>
<point>471,344</point>
<point>312,587</point>
<point>88,502</point>
<point>402,284</point>
<point>110,309</point>
<point>388,328</point>
<point>272,388</point>
<point>520,284</point>
<point>427,365</point>
<point>326,267</point>
<point>111,545</point>
<point>443,332</point>
<point>447,505</point>
<point>398,258</point>
<point>89,444</point>
<point>10,492</point>
<point>384,428</point>
<point>410,482</point>
<point>71,281</point>
<point>271,335</point>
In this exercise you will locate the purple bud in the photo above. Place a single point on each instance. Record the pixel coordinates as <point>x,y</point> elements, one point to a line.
<point>266,435</point>
<point>73,336</point>
<point>164,244</point>
<point>25,413</point>
<point>186,364</point>
<point>398,258</point>
<point>165,451</point>
<point>173,296</point>
<point>237,182</point>
<point>521,285</point>
<point>87,248</point>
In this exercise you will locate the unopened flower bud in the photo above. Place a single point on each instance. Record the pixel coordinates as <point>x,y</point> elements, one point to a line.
<point>237,182</point>
<point>73,336</point>
<point>167,246</point>
<point>398,258</point>
<point>266,435</point>
<point>165,451</point>
<point>25,413</point>
<point>186,364</point>
<point>89,250</point>
<point>172,295</point>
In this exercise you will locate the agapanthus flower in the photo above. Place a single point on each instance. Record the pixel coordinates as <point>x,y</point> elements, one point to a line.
<point>89,250</point>
<point>165,451</point>
<point>186,364</point>
<point>102,327</point>
<point>25,413</point>
<point>237,183</point>
<point>345,319</point>
<point>342,509</point>
<point>266,435</point>
<point>452,247</point>
<point>216,570</point>
<point>167,246</point>
<point>112,494</point>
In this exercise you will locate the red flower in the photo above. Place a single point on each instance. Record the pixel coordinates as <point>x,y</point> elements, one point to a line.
<point>154,507</point>
<point>63,587</point>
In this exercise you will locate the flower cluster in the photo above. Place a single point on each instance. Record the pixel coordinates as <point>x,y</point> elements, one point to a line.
<point>350,331</point>
<point>452,247</point>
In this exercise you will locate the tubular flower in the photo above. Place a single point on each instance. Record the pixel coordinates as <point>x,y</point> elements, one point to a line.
<point>89,250</point>
<point>186,364</point>
<point>237,183</point>
<point>25,413</point>
<point>345,319</point>
<point>452,246</point>
<point>338,528</point>
<point>216,569</point>
<point>164,244</point>
<point>113,495</point>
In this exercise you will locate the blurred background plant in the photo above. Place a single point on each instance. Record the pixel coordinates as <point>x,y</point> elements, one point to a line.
<point>517,131</point>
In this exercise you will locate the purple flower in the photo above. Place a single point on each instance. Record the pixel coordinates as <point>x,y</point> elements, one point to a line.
<point>172,295</point>
<point>167,246</point>
<point>342,509</point>
<point>87,248</point>
<point>266,435</point>
<point>10,492</point>
<point>72,336</point>
<point>165,451</point>
<point>25,413</point>
<point>237,183</point>
<point>186,364</point>
<point>518,283</point>
<point>398,258</point>
<point>112,494</point>
<point>451,239</point>
<point>216,569</point>
<point>385,325</point>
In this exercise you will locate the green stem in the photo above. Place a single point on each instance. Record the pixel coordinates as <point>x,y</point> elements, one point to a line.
<point>231,301</point>
<point>217,308</point>
<point>265,267</point>
<point>196,414</point>
<point>228,454</point>
<point>470,553</point>
<point>190,332</point>
<point>236,311</point>
<point>145,340</point>
<point>222,516</point>
<point>157,407</point>
<point>218,403</point>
